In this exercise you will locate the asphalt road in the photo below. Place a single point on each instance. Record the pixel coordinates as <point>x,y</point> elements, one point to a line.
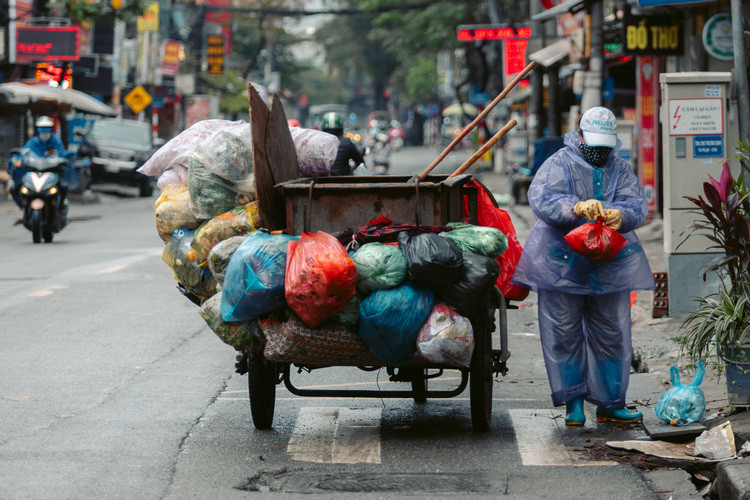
<point>112,386</point>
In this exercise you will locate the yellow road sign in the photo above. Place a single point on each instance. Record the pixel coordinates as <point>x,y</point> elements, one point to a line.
<point>138,99</point>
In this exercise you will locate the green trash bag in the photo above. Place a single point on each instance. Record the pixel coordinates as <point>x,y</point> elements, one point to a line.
<point>349,314</point>
<point>379,267</point>
<point>242,335</point>
<point>480,240</point>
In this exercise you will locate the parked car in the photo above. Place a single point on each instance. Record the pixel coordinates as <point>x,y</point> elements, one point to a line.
<point>118,147</point>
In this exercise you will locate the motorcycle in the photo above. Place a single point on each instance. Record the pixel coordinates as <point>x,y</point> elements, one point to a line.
<point>38,190</point>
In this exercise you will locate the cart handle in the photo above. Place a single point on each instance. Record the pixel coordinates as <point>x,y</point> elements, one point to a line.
<point>478,119</point>
<point>486,147</point>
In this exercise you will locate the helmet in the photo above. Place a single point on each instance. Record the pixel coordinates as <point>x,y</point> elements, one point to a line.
<point>44,121</point>
<point>292,122</point>
<point>332,121</point>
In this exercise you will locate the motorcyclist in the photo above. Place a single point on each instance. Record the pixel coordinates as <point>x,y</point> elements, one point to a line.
<point>44,143</point>
<point>333,124</point>
<point>381,154</point>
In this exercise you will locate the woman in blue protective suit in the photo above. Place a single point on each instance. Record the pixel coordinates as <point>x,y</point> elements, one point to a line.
<point>584,305</point>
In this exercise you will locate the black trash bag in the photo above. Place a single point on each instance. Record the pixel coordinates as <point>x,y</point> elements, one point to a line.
<point>432,261</point>
<point>467,295</point>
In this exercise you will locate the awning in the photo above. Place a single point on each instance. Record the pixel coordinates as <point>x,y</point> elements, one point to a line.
<point>572,6</point>
<point>554,53</point>
<point>41,98</point>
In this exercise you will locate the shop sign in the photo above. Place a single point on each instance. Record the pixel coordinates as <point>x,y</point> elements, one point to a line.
<point>647,123</point>
<point>171,60</point>
<point>708,146</point>
<point>696,116</point>
<point>36,44</point>
<point>717,37</point>
<point>472,33</point>
<point>149,21</point>
<point>514,57</point>
<point>652,36</point>
<point>215,55</point>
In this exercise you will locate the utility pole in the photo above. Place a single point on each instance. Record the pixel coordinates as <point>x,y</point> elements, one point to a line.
<point>740,73</point>
<point>592,83</point>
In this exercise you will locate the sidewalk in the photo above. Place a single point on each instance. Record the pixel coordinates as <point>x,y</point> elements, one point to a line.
<point>654,347</point>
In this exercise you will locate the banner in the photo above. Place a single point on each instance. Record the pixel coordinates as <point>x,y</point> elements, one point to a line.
<point>648,149</point>
<point>170,62</point>
<point>149,21</point>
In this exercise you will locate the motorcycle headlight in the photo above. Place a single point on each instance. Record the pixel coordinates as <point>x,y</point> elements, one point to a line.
<point>357,137</point>
<point>24,190</point>
<point>53,190</point>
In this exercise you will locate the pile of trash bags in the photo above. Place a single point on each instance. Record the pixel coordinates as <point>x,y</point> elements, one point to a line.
<point>307,298</point>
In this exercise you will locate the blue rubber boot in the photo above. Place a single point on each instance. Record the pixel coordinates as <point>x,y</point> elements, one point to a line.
<point>621,415</point>
<point>574,415</point>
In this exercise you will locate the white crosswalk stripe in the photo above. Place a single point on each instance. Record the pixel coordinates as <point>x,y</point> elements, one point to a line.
<point>336,435</point>
<point>539,437</point>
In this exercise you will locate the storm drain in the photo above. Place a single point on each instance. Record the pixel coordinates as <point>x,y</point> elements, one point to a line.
<point>307,482</point>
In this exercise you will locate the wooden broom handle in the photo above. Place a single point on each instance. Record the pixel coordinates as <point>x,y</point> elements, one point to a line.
<point>460,170</point>
<point>478,119</point>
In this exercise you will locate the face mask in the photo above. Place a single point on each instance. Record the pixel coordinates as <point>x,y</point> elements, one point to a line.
<point>45,136</point>
<point>595,155</point>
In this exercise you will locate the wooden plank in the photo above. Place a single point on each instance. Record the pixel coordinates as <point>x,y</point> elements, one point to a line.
<point>281,152</point>
<point>264,182</point>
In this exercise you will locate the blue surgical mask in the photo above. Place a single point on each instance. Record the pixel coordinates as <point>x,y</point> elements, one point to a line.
<point>45,136</point>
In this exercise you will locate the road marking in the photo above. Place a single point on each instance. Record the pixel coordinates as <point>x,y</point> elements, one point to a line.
<point>336,435</point>
<point>539,434</point>
<point>47,291</point>
<point>112,269</point>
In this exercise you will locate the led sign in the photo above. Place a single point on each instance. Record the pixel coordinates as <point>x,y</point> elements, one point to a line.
<point>489,32</point>
<point>215,54</point>
<point>48,72</point>
<point>46,44</point>
<point>652,36</point>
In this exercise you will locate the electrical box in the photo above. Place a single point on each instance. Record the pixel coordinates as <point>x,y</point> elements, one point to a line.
<point>697,137</point>
<point>625,132</point>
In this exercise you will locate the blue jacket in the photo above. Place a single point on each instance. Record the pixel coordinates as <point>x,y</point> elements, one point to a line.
<point>563,180</point>
<point>39,147</point>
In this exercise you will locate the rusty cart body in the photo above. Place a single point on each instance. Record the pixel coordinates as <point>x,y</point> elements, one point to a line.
<point>333,204</point>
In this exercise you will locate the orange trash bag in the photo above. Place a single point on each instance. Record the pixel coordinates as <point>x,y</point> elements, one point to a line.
<point>596,241</point>
<point>321,278</point>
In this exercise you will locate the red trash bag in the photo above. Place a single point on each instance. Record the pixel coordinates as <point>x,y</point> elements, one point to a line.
<point>490,215</point>
<point>320,277</point>
<point>596,241</point>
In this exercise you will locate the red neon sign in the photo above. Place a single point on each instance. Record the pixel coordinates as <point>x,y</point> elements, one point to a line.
<point>47,44</point>
<point>489,33</point>
<point>46,72</point>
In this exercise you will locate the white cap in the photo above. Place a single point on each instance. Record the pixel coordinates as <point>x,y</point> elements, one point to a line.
<point>599,127</point>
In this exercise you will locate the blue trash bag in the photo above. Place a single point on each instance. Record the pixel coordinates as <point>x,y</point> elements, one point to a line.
<point>254,280</point>
<point>389,321</point>
<point>683,404</point>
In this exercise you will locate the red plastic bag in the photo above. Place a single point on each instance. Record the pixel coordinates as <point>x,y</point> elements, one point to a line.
<point>596,241</point>
<point>320,277</point>
<point>489,215</point>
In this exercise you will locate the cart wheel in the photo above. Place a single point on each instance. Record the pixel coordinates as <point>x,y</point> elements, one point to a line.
<point>419,387</point>
<point>261,380</point>
<point>480,382</point>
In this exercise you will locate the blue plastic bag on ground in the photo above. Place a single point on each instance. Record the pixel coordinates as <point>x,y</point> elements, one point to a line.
<point>683,404</point>
<point>254,281</point>
<point>389,321</point>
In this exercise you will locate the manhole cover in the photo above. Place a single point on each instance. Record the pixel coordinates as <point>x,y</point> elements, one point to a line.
<point>306,482</point>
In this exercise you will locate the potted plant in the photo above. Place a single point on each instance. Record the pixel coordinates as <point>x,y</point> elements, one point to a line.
<point>721,322</point>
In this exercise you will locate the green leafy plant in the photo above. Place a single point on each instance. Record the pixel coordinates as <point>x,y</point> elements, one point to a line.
<point>721,321</point>
<point>724,210</point>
